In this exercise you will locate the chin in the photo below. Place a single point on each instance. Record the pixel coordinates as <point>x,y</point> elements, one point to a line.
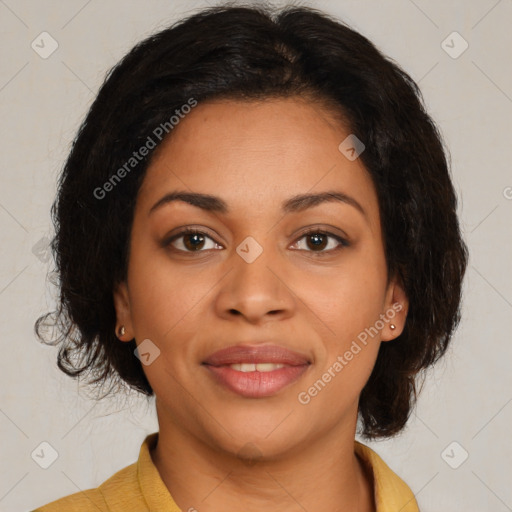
<point>254,437</point>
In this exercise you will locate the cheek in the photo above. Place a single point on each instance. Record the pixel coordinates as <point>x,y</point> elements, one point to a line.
<point>348,299</point>
<point>165,298</point>
<point>349,303</point>
<point>349,307</point>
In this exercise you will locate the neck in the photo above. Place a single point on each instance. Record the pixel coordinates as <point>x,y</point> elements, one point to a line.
<point>321,475</point>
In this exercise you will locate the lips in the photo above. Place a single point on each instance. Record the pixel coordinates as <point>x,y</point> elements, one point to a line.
<point>256,371</point>
<point>256,354</point>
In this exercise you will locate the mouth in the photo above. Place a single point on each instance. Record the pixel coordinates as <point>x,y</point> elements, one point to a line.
<point>256,371</point>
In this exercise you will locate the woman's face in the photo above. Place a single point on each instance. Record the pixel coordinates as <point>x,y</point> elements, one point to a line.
<point>252,278</point>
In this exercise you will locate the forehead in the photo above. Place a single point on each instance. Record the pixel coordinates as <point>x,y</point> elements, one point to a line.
<point>258,154</point>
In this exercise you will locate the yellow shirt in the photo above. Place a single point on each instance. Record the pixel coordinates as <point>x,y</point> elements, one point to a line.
<point>139,488</point>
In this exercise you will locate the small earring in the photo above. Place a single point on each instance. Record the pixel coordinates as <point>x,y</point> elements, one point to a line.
<point>392,327</point>
<point>122,331</point>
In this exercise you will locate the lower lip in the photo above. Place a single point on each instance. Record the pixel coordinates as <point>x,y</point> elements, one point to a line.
<point>257,384</point>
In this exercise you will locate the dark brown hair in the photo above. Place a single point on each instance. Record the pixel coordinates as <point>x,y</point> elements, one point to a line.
<point>252,53</point>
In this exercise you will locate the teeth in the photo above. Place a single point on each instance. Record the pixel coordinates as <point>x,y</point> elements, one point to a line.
<point>260,367</point>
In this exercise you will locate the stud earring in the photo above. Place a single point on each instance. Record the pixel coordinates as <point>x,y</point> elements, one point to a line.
<point>392,327</point>
<point>122,330</point>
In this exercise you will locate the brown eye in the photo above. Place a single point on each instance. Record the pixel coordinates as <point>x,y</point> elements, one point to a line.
<point>317,241</point>
<point>193,241</point>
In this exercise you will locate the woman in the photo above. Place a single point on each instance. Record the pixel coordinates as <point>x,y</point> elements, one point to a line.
<point>257,225</point>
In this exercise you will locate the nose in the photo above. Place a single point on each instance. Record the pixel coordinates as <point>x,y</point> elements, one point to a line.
<point>256,289</point>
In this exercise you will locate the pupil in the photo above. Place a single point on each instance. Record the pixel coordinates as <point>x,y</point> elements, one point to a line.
<point>315,238</point>
<point>194,236</point>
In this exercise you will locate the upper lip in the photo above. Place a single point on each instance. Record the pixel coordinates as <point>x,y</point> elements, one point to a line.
<point>256,354</point>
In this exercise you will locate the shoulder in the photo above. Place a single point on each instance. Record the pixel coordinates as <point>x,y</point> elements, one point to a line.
<point>82,501</point>
<point>120,492</point>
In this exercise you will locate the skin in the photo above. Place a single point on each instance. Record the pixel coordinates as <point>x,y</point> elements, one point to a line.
<point>255,155</point>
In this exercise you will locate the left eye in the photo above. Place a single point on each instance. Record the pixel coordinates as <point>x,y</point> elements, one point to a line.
<point>319,240</point>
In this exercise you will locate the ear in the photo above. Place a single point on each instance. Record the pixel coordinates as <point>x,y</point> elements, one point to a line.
<point>396,306</point>
<point>123,311</point>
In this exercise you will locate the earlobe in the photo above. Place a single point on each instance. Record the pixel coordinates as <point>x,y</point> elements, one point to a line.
<point>121,298</point>
<point>396,308</point>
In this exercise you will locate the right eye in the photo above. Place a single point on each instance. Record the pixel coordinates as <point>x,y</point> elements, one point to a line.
<point>193,241</point>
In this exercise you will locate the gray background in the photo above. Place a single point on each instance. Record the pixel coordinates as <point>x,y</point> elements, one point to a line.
<point>466,399</point>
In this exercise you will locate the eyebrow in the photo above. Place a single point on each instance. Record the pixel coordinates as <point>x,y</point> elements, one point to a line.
<point>294,204</point>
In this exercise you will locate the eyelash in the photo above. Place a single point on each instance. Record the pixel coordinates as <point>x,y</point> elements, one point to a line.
<point>192,231</point>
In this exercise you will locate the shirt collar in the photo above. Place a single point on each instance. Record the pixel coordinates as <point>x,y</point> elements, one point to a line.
<point>391,493</point>
<point>153,489</point>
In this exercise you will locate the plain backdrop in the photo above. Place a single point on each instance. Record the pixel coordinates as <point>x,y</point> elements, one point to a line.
<point>456,451</point>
